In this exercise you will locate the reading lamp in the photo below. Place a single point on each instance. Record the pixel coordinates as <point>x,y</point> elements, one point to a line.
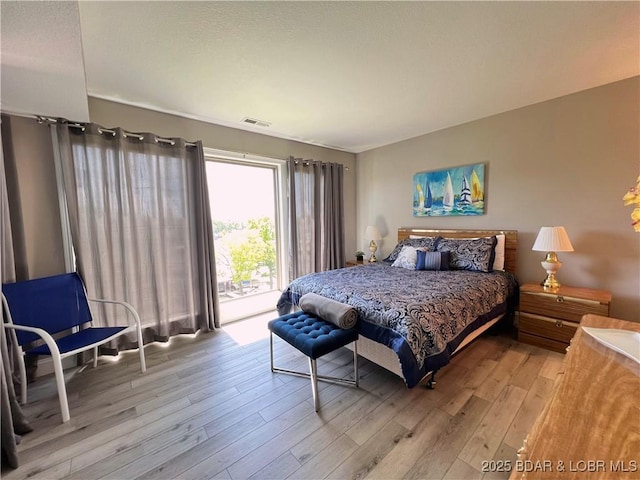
<point>372,233</point>
<point>552,240</point>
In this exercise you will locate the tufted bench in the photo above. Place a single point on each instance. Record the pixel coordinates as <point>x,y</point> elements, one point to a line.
<point>314,337</point>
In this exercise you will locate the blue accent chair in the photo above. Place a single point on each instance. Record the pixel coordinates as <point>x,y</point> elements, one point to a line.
<point>41,308</point>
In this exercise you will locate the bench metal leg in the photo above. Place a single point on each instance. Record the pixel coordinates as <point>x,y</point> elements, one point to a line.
<point>355,364</point>
<point>271,350</point>
<point>313,370</point>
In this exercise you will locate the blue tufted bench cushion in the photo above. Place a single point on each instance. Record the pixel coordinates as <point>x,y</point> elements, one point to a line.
<point>310,334</point>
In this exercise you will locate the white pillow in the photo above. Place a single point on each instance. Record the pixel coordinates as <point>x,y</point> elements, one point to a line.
<point>407,258</point>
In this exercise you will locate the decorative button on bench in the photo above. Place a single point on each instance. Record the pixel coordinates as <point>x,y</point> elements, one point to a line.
<point>314,337</point>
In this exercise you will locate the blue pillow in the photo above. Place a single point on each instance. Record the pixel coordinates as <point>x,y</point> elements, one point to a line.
<point>433,260</point>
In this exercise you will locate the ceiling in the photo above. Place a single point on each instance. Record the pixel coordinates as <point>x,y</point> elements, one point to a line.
<point>42,67</point>
<point>353,75</point>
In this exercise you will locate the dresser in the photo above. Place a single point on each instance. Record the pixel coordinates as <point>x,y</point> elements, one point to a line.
<point>590,428</point>
<point>549,319</point>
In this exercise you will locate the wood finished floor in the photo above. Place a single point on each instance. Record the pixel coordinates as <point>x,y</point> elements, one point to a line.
<point>208,407</point>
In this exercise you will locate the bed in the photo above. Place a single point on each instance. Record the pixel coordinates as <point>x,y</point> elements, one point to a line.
<point>411,321</point>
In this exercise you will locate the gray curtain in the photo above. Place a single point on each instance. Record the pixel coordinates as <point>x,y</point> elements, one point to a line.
<point>316,216</point>
<point>140,222</point>
<point>13,421</point>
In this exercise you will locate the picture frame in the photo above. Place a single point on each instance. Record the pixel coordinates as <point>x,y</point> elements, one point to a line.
<point>455,191</point>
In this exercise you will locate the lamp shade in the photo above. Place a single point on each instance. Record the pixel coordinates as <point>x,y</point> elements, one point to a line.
<point>552,239</point>
<point>372,233</point>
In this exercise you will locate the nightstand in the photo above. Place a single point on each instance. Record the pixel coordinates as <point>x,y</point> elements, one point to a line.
<point>354,264</point>
<point>549,319</point>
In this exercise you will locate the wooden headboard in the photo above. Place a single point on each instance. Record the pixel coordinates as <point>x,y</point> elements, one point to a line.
<point>510,243</point>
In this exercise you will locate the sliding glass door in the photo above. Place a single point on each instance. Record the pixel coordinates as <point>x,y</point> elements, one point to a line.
<point>245,209</point>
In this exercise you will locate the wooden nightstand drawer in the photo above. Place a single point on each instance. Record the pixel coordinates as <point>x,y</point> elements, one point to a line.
<point>561,306</point>
<point>552,328</point>
<point>550,319</point>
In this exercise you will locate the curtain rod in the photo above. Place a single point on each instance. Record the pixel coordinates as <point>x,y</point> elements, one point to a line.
<point>45,119</point>
<point>102,131</point>
<point>306,163</point>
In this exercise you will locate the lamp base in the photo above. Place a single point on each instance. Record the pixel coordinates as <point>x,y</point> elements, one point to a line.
<point>550,283</point>
<point>551,267</point>
<point>372,248</point>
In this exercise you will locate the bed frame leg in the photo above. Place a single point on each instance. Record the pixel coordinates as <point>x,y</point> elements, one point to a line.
<point>432,380</point>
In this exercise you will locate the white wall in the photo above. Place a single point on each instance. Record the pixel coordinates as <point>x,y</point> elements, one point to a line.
<point>567,161</point>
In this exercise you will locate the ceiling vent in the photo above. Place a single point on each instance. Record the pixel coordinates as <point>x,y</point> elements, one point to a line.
<point>257,123</point>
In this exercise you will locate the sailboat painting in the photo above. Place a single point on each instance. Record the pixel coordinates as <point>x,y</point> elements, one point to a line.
<point>451,191</point>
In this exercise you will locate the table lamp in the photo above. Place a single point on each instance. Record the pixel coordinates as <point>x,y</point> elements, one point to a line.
<point>552,240</point>
<point>372,233</point>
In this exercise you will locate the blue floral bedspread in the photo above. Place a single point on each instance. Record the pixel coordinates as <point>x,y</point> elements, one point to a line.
<point>422,315</point>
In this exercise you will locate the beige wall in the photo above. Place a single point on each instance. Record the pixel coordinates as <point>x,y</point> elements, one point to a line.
<point>31,185</point>
<point>111,114</point>
<point>567,161</point>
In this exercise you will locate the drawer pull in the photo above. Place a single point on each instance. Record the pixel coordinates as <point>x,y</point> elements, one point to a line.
<point>559,323</point>
<point>560,299</point>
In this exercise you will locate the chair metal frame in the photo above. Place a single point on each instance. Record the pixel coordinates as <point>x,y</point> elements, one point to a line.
<point>57,357</point>
<point>313,372</point>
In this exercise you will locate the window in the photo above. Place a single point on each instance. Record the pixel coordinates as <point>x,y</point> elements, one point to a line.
<point>246,210</point>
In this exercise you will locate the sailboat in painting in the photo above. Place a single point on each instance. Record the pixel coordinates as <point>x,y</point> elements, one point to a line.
<point>428,201</point>
<point>424,201</point>
<point>477,195</point>
<point>465,194</point>
<point>447,199</point>
<point>417,204</point>
<point>420,196</point>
